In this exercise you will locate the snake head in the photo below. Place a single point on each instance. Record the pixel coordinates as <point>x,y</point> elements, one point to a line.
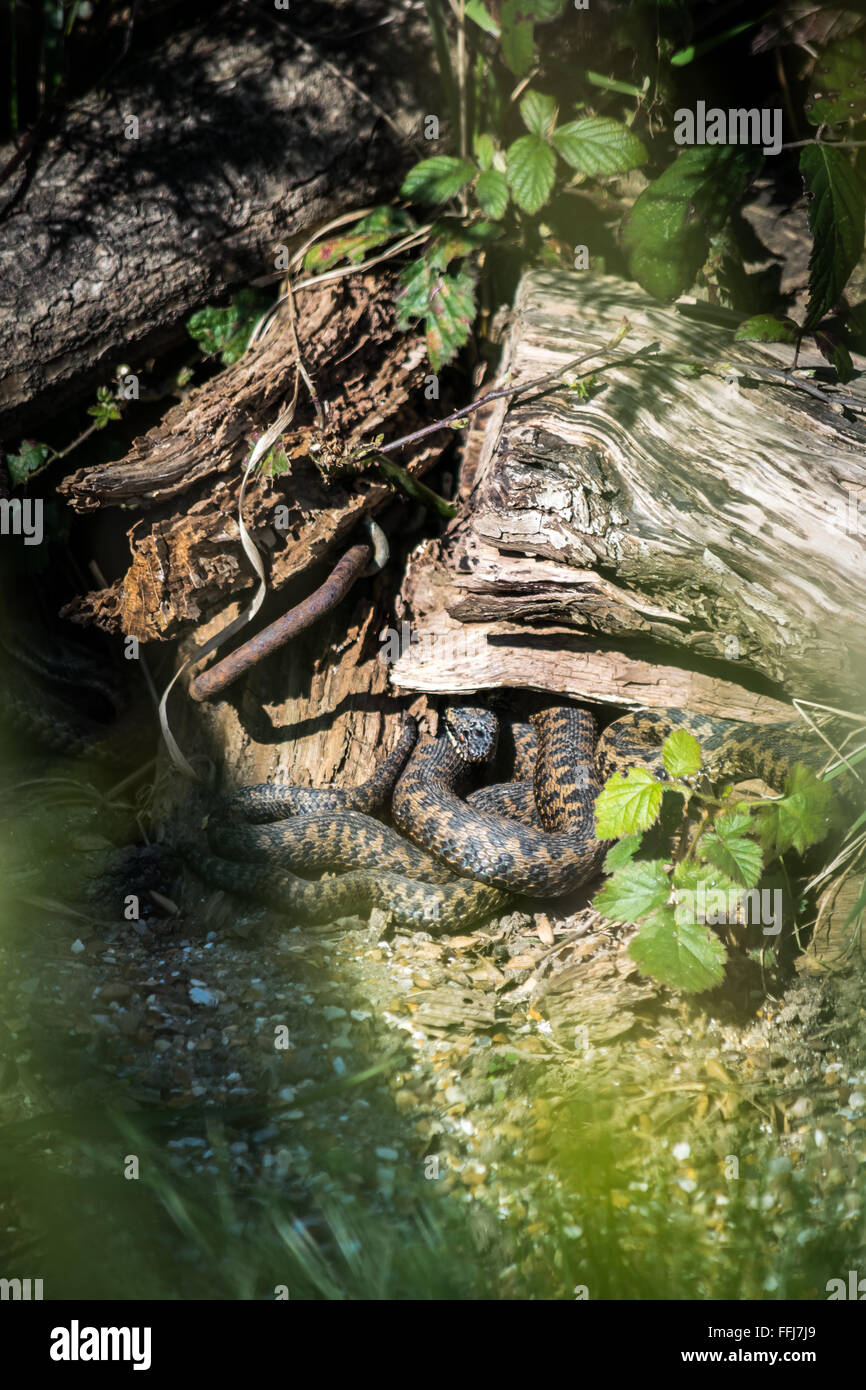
<point>473,732</point>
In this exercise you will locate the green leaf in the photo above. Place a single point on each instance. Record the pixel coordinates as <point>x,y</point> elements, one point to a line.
<point>633,891</point>
<point>517,37</point>
<point>835,352</point>
<point>766,328</point>
<point>374,229</point>
<point>732,852</point>
<point>537,112</point>
<point>543,10</point>
<point>685,956</point>
<point>628,802</point>
<point>837,91</point>
<point>681,754</point>
<point>438,179</point>
<point>837,209</point>
<point>445,302</point>
<point>597,145</point>
<point>105,409</point>
<point>689,876</point>
<point>491,190</point>
<point>622,852</point>
<point>798,819</point>
<point>448,241</point>
<point>32,457</point>
<point>531,172</point>
<point>667,236</point>
<point>485,149</point>
<point>476,11</point>
<point>227,331</point>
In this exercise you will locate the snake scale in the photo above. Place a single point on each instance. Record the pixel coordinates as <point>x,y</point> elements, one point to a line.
<point>463,857</point>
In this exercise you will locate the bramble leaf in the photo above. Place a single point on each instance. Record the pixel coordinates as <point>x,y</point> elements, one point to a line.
<point>537,111</point>
<point>33,456</point>
<point>628,802</point>
<point>684,955</point>
<point>667,236</point>
<point>837,210</point>
<point>491,190</point>
<point>622,852</point>
<point>446,303</point>
<point>798,819</point>
<point>597,145</point>
<point>837,91</point>
<point>681,754</point>
<point>766,328</point>
<point>227,331</point>
<point>485,149</point>
<point>517,37</point>
<point>731,851</point>
<point>438,179</point>
<point>633,891</point>
<point>531,171</point>
<point>371,231</point>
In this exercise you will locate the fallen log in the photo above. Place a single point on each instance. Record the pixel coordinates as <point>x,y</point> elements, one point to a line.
<point>186,552</point>
<point>178,180</point>
<point>692,520</point>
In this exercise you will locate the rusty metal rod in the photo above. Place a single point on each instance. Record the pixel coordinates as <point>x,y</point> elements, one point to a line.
<point>347,569</point>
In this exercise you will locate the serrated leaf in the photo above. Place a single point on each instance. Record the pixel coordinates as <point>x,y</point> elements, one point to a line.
<point>690,875</point>
<point>485,149</point>
<point>450,316</point>
<point>633,891</point>
<point>681,754</point>
<point>835,353</point>
<point>446,303</point>
<point>491,190</point>
<point>628,802</point>
<point>32,457</point>
<point>531,172</point>
<point>447,242</point>
<point>798,819</point>
<point>438,179</point>
<point>622,852</point>
<point>517,37</point>
<point>837,210</point>
<point>374,229</point>
<point>766,328</point>
<point>837,91</point>
<point>683,955</point>
<point>667,235</point>
<point>227,331</point>
<point>738,857</point>
<point>537,111</point>
<point>597,145</point>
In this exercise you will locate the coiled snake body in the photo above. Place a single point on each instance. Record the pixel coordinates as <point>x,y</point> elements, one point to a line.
<point>534,835</point>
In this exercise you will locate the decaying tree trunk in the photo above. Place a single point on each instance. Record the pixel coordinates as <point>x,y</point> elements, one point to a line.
<point>186,554</point>
<point>672,517</point>
<point>317,713</point>
<point>178,181</point>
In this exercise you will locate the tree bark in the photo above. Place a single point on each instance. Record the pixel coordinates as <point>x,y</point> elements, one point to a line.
<point>253,126</point>
<point>685,520</point>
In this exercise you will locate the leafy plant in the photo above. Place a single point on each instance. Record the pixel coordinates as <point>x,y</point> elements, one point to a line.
<point>227,331</point>
<point>564,129</point>
<point>725,845</point>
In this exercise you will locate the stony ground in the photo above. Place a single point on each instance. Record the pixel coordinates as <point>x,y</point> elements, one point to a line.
<point>305,1106</point>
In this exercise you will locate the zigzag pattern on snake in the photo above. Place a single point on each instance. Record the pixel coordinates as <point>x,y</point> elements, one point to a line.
<point>469,856</point>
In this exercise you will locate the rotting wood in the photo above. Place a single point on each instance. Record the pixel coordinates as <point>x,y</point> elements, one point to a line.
<point>187,556</point>
<point>254,127</point>
<point>670,514</point>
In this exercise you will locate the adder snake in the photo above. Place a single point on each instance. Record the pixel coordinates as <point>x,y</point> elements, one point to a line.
<point>464,858</point>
